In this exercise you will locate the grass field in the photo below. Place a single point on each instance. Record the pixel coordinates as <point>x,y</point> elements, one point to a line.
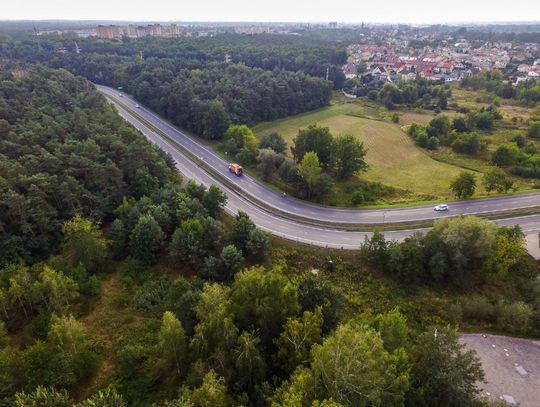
<point>393,158</point>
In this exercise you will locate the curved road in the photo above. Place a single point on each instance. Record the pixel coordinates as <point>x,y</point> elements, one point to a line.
<point>279,226</point>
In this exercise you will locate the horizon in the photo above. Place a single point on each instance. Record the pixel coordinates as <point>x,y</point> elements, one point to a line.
<point>415,12</point>
<point>341,24</point>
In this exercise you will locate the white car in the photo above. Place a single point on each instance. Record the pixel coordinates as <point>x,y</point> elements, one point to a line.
<point>120,95</point>
<point>137,106</point>
<point>442,207</point>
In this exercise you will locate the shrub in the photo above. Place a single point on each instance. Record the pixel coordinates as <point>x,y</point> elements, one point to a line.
<point>479,309</point>
<point>515,318</point>
<point>534,130</point>
<point>358,197</point>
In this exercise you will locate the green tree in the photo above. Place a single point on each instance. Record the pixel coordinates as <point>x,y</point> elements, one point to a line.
<point>310,170</point>
<point>464,185</point>
<point>508,251</point>
<point>215,120</point>
<point>146,240</point>
<point>443,374</point>
<point>393,329</point>
<point>241,231</point>
<point>298,336</point>
<point>497,180</point>
<point>534,129</point>
<point>188,243</point>
<point>67,334</point>
<point>506,155</point>
<point>44,397</point>
<point>211,393</point>
<point>215,331</point>
<point>263,300</point>
<point>258,245</point>
<point>274,141</point>
<point>348,156</point>
<point>55,290</point>
<point>241,142</point>
<point>214,201</point>
<point>118,237</point>
<point>44,365</point>
<point>356,370</point>
<point>249,363</point>
<point>4,338</point>
<point>375,249</point>
<point>314,139</point>
<point>439,126</point>
<point>84,244</point>
<point>107,398</point>
<point>269,161</point>
<point>459,124</point>
<point>466,240</point>
<point>232,261</point>
<point>172,342</point>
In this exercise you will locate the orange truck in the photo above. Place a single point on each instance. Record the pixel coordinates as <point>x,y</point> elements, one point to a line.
<point>236,169</point>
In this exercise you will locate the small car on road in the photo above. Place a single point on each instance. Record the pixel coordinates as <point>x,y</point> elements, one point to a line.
<point>441,207</point>
<point>137,106</point>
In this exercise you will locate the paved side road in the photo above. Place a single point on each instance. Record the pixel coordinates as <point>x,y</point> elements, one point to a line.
<point>512,367</point>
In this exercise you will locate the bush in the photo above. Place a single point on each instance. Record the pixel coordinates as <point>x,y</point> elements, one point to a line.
<point>534,130</point>
<point>467,144</point>
<point>479,309</point>
<point>395,118</point>
<point>515,318</point>
<point>433,143</point>
<point>358,197</point>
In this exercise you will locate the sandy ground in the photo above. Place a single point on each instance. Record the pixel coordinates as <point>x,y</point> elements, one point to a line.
<point>512,367</point>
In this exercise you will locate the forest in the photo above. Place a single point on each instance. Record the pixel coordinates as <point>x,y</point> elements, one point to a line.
<point>199,92</point>
<point>203,308</point>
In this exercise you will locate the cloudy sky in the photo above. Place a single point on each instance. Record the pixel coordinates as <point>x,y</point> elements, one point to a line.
<point>408,11</point>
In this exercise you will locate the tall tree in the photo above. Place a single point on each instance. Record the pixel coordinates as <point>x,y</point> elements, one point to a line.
<point>314,139</point>
<point>309,169</point>
<point>172,342</point>
<point>443,373</point>
<point>146,240</point>
<point>298,336</point>
<point>84,244</point>
<point>348,156</point>
<point>464,185</point>
<point>356,370</point>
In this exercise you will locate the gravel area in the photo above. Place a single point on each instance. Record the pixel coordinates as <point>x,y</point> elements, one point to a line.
<point>512,367</point>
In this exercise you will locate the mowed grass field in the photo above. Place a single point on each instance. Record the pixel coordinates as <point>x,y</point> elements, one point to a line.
<point>393,158</point>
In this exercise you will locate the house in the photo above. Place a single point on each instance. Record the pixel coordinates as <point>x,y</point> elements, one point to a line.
<point>350,71</point>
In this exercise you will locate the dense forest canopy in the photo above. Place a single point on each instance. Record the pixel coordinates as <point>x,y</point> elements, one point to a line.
<point>190,84</point>
<point>64,151</point>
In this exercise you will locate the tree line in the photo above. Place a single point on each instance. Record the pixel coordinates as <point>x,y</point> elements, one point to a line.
<point>319,158</point>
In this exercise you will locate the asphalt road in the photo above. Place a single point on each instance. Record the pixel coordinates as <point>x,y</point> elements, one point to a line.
<point>511,365</point>
<point>280,226</point>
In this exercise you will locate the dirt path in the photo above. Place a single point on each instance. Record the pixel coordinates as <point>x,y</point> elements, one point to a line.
<point>99,324</point>
<point>512,367</point>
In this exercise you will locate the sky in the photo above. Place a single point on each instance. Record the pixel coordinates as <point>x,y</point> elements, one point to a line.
<point>406,11</point>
